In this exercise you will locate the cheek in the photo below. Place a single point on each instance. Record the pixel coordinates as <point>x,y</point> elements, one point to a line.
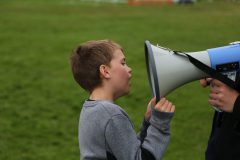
<point>121,75</point>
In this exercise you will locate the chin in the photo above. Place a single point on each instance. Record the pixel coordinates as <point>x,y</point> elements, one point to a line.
<point>123,94</point>
<point>127,92</point>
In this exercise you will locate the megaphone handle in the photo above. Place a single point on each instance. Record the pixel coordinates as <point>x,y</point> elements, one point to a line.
<point>216,109</point>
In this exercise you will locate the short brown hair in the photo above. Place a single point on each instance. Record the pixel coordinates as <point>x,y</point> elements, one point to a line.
<point>86,60</point>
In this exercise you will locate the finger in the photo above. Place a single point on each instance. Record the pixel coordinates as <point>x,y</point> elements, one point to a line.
<point>160,103</point>
<point>217,82</point>
<point>152,102</point>
<point>203,82</point>
<point>214,96</point>
<point>165,106</point>
<point>209,79</point>
<point>169,106</point>
<point>215,103</point>
<point>214,90</point>
<point>172,109</point>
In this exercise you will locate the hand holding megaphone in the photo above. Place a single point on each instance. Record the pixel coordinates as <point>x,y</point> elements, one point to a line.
<point>162,106</point>
<point>221,96</point>
<point>207,82</point>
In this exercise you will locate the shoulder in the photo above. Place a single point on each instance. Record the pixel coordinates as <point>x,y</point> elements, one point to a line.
<point>111,108</point>
<point>103,107</point>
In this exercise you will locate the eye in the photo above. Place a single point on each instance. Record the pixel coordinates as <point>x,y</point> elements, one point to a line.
<point>123,62</point>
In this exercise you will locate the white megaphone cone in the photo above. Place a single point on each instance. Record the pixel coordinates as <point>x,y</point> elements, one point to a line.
<point>168,71</point>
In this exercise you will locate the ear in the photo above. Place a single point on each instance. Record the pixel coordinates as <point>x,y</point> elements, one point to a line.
<point>104,71</point>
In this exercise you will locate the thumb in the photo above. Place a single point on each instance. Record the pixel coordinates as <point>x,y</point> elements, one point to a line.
<point>153,101</point>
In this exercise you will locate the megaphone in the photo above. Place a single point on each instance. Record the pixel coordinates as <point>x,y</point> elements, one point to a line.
<point>168,69</point>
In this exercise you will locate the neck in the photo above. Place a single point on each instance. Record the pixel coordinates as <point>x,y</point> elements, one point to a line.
<point>101,94</point>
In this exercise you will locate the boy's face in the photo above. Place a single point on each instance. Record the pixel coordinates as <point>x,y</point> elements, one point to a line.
<point>120,74</point>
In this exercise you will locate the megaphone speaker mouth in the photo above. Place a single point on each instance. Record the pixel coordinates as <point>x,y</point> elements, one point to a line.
<point>152,71</point>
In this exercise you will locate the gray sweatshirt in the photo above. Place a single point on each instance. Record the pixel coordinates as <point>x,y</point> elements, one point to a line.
<point>105,130</point>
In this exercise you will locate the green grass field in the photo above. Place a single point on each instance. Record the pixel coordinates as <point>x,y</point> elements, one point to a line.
<point>39,100</point>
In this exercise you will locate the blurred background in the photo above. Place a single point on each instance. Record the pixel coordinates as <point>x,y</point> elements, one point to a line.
<point>39,100</point>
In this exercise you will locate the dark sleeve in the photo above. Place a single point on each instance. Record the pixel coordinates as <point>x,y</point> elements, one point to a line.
<point>143,131</point>
<point>146,155</point>
<point>236,108</point>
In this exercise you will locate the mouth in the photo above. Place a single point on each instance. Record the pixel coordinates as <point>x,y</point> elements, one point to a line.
<point>129,80</point>
<point>130,76</point>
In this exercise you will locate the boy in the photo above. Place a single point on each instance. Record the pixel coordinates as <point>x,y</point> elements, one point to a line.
<point>105,130</point>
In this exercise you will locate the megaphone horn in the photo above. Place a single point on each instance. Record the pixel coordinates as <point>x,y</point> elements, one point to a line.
<point>168,69</point>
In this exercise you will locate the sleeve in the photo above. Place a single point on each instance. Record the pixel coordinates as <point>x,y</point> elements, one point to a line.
<point>124,144</point>
<point>158,133</point>
<point>236,108</point>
